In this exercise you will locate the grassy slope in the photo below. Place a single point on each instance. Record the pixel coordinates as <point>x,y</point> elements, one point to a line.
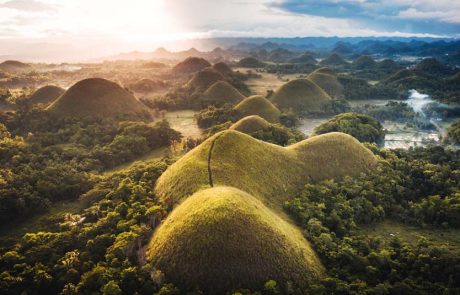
<point>46,94</point>
<point>203,79</point>
<point>267,171</point>
<point>258,105</point>
<point>222,238</point>
<point>97,97</point>
<point>222,92</point>
<point>328,83</point>
<point>250,124</point>
<point>300,95</point>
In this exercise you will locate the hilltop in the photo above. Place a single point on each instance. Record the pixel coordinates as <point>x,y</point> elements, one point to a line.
<point>231,158</point>
<point>203,80</point>
<point>300,95</point>
<point>222,92</point>
<point>333,60</point>
<point>245,243</point>
<point>45,94</point>
<point>191,65</point>
<point>13,66</point>
<point>250,62</point>
<point>432,66</point>
<point>327,80</point>
<point>96,97</point>
<point>222,68</point>
<point>250,124</point>
<point>364,62</point>
<point>258,105</point>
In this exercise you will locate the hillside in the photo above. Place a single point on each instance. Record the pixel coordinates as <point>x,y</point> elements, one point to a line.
<point>147,85</point>
<point>191,65</point>
<point>231,158</point>
<point>333,60</point>
<point>364,62</point>
<point>432,66</point>
<point>96,97</point>
<point>305,58</point>
<point>222,92</point>
<point>258,105</point>
<point>250,124</point>
<point>250,62</point>
<point>327,80</point>
<point>222,68</point>
<point>203,80</point>
<point>300,95</point>
<point>246,245</point>
<point>13,66</point>
<point>45,94</point>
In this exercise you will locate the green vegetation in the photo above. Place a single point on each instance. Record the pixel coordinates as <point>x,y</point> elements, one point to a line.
<point>191,65</point>
<point>432,66</point>
<point>45,95</point>
<point>258,105</point>
<point>453,133</point>
<point>300,96</point>
<point>220,93</point>
<point>364,62</point>
<point>361,127</point>
<point>261,129</point>
<point>327,80</point>
<point>238,160</point>
<point>356,88</point>
<point>250,62</point>
<point>97,97</point>
<point>147,85</point>
<point>333,60</point>
<point>246,245</point>
<point>305,58</point>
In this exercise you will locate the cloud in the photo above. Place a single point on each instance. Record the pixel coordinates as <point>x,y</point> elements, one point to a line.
<point>445,16</point>
<point>27,5</point>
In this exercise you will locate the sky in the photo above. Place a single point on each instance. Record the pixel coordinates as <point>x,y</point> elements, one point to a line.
<point>69,29</point>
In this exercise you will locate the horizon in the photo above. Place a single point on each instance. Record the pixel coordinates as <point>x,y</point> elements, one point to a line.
<point>82,30</point>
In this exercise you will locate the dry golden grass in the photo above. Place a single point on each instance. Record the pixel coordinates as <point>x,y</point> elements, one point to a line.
<point>250,124</point>
<point>222,92</point>
<point>45,94</point>
<point>327,80</point>
<point>258,105</point>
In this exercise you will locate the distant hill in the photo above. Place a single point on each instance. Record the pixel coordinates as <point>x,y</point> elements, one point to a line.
<point>333,60</point>
<point>364,62</point>
<point>222,68</point>
<point>258,105</point>
<point>45,94</point>
<point>300,95</point>
<point>304,59</point>
<point>96,97</point>
<point>13,66</point>
<point>250,124</point>
<point>191,65</point>
<point>432,66</point>
<point>231,158</point>
<point>147,85</point>
<point>250,62</point>
<point>203,80</point>
<point>222,92</point>
<point>327,80</point>
<point>224,239</point>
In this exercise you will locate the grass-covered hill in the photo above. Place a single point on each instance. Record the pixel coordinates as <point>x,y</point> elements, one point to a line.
<point>389,65</point>
<point>305,58</point>
<point>191,65</point>
<point>258,105</point>
<point>45,94</point>
<point>327,80</point>
<point>147,85</point>
<point>222,92</point>
<point>222,68</point>
<point>364,62</point>
<point>250,124</point>
<point>300,95</point>
<point>223,239</point>
<point>432,66</point>
<point>333,60</point>
<point>96,97</point>
<point>250,62</point>
<point>203,80</point>
<point>13,66</point>
<point>231,158</point>
<point>362,127</point>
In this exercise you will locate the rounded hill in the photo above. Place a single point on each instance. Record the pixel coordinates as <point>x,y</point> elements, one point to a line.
<point>231,158</point>
<point>13,66</point>
<point>300,95</point>
<point>333,60</point>
<point>191,65</point>
<point>250,124</point>
<point>258,105</point>
<point>328,82</point>
<point>222,239</point>
<point>222,68</point>
<point>250,62</point>
<point>45,94</point>
<point>222,92</point>
<point>96,97</point>
<point>432,66</point>
<point>305,58</point>
<point>203,80</point>
<point>364,62</point>
<point>325,70</point>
